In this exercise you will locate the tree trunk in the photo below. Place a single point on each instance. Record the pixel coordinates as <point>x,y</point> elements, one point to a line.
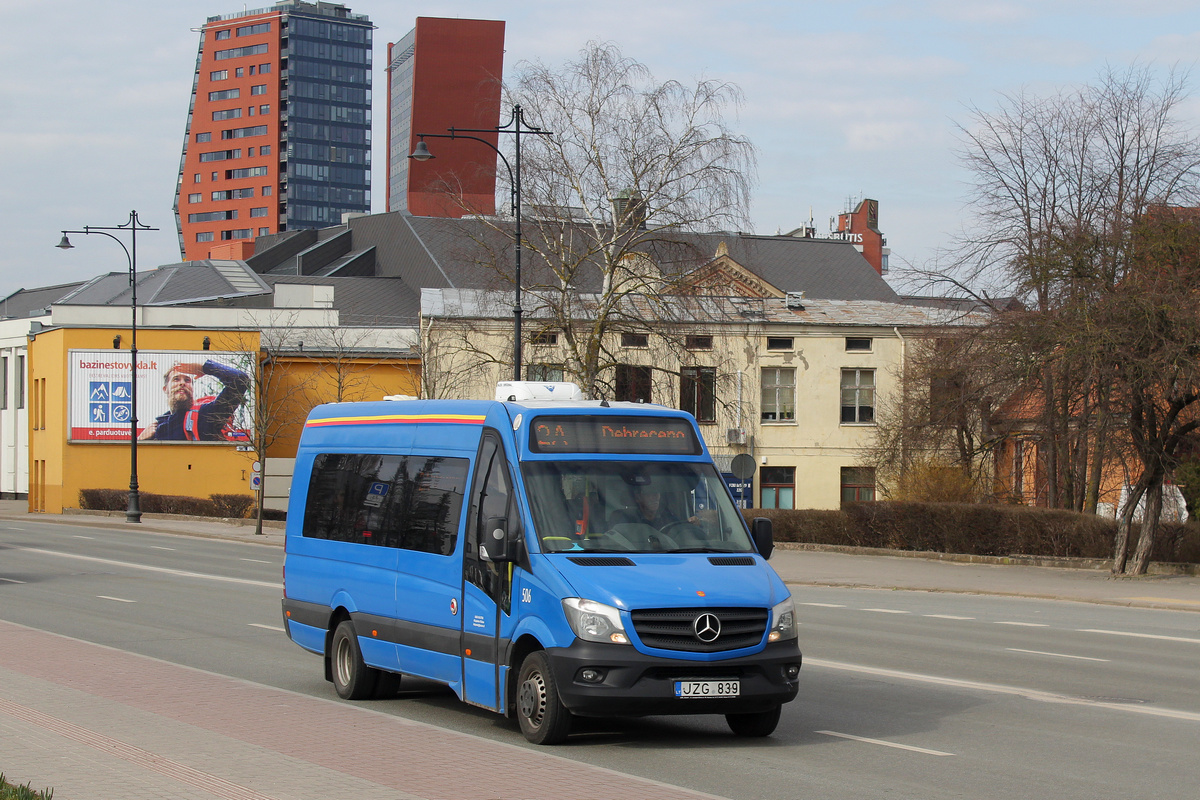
<point>1124,520</point>
<point>1150,520</point>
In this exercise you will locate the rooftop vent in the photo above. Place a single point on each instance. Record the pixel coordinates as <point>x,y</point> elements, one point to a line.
<point>795,300</point>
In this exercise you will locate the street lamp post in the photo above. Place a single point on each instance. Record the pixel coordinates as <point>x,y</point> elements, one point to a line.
<point>134,512</point>
<point>517,126</point>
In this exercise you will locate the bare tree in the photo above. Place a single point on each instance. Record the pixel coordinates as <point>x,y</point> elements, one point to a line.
<point>1060,183</point>
<point>1150,328</point>
<point>277,397</point>
<point>611,200</point>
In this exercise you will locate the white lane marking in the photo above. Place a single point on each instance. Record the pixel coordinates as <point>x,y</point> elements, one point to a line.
<point>11,580</point>
<point>885,744</point>
<point>1056,655</point>
<point>265,627</point>
<point>115,599</point>
<point>254,560</point>
<point>884,610</point>
<point>160,547</point>
<point>823,605</point>
<point>1142,635</point>
<point>166,571</point>
<point>945,616</point>
<point>1024,624</point>
<point>83,537</point>
<point>997,688</point>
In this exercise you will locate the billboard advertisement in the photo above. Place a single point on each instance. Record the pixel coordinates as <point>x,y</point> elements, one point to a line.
<point>182,395</point>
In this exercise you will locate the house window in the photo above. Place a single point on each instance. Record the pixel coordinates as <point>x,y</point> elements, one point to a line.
<point>1018,468</point>
<point>19,381</point>
<point>3,381</point>
<point>858,344</point>
<point>633,383</point>
<point>778,394</point>
<point>697,392</point>
<point>858,396</point>
<point>777,487</point>
<point>698,343</point>
<point>858,484</point>
<point>544,372</point>
<point>780,343</point>
<point>204,137</point>
<point>546,338</point>
<point>204,236</point>
<point>635,340</point>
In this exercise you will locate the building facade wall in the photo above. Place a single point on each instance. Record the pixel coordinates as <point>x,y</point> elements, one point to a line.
<point>810,445</point>
<point>445,73</point>
<point>59,468</point>
<point>14,414</point>
<point>278,134</point>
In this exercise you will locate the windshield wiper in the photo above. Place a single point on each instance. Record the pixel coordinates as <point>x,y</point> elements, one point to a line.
<point>705,550</point>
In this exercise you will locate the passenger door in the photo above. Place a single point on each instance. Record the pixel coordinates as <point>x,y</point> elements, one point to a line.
<point>487,586</point>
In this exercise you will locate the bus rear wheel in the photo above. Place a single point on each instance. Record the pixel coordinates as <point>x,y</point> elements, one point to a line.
<point>540,712</point>
<point>352,678</point>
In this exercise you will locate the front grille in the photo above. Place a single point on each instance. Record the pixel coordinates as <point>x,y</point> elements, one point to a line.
<point>674,628</point>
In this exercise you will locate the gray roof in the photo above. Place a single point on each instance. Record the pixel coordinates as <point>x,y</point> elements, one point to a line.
<point>429,252</point>
<point>485,304</point>
<point>173,284</point>
<point>381,302</point>
<point>34,302</point>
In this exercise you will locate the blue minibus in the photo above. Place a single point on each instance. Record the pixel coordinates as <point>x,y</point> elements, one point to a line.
<point>546,558</point>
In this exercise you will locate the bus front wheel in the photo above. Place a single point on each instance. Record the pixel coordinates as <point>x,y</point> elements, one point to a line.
<point>759,724</point>
<point>542,716</point>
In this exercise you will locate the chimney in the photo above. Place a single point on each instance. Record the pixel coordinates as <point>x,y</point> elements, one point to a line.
<point>629,210</point>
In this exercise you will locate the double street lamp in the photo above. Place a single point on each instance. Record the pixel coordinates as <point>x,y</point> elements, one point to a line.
<point>517,126</point>
<point>134,512</point>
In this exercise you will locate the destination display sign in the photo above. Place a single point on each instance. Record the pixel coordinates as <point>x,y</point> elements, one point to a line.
<point>615,435</point>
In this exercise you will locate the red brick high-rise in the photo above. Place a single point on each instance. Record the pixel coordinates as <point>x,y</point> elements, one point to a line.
<point>279,129</point>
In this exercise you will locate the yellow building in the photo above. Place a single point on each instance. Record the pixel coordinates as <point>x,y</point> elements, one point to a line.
<point>294,358</point>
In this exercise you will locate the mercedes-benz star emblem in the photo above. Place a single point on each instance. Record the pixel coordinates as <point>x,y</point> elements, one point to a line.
<point>707,627</point>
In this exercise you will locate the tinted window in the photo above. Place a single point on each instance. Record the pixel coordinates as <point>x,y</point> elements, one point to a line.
<point>411,502</point>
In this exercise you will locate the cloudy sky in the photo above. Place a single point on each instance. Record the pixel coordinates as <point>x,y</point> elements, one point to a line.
<point>843,100</point>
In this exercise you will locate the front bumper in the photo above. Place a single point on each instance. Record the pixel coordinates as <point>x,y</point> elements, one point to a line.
<point>635,684</point>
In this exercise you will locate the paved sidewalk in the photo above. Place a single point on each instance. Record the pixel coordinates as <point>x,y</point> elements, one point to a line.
<point>96,723</point>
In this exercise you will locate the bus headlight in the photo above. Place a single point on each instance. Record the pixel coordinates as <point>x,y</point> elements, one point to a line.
<point>783,622</point>
<point>594,622</point>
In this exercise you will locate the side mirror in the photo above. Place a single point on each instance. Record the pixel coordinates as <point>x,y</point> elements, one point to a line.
<point>494,546</point>
<point>764,537</point>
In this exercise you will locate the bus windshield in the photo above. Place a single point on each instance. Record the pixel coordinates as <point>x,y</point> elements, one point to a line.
<point>633,507</point>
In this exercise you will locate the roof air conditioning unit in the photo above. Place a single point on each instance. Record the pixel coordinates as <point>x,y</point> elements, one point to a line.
<point>735,436</point>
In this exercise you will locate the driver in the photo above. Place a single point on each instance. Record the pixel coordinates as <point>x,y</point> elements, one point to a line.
<point>650,508</point>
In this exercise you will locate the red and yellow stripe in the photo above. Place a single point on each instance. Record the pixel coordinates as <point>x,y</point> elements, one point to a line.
<point>398,419</point>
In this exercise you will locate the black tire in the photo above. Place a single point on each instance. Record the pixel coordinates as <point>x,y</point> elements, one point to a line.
<point>759,724</point>
<point>352,678</point>
<point>387,685</point>
<point>543,717</point>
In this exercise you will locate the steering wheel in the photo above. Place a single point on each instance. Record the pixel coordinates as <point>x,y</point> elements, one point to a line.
<point>683,528</point>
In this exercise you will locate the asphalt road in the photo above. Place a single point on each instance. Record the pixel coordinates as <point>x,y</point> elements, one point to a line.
<point>903,694</point>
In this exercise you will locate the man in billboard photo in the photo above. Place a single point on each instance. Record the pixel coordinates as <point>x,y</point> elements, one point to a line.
<point>190,419</point>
